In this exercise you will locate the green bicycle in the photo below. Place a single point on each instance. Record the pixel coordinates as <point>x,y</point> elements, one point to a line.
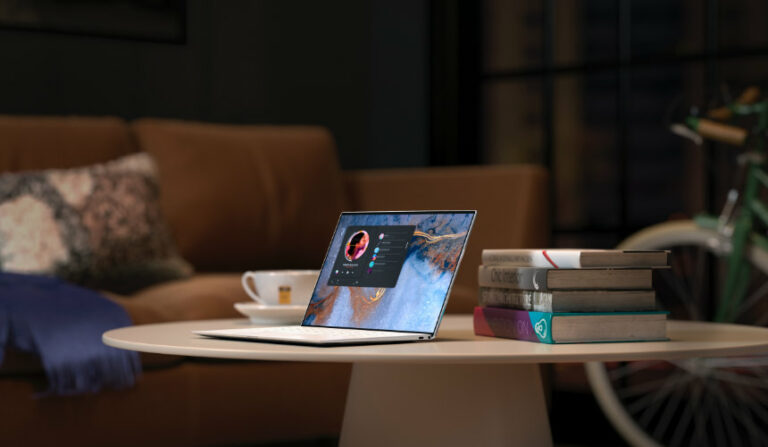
<point>719,273</point>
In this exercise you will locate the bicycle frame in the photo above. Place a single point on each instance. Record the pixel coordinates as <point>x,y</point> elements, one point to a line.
<point>740,232</point>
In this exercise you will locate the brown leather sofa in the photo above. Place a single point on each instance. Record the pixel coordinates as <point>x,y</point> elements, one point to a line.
<point>239,198</point>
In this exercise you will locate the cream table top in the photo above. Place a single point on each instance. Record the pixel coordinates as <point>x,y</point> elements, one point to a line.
<point>455,344</point>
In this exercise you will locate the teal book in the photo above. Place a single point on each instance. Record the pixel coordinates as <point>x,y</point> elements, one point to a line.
<point>567,327</point>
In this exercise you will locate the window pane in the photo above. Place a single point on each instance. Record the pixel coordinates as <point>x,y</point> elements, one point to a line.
<point>513,31</point>
<point>585,31</point>
<point>736,74</point>
<point>513,121</point>
<point>667,27</point>
<point>743,24</point>
<point>586,162</point>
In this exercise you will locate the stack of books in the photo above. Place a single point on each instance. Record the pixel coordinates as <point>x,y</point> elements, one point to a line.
<point>570,296</point>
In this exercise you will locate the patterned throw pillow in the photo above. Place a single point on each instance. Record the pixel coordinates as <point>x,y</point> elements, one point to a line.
<point>97,226</point>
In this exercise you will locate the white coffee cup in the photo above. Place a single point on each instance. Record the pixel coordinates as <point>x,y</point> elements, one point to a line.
<point>280,287</point>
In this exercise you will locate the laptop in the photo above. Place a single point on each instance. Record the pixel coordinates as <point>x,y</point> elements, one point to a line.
<point>386,278</point>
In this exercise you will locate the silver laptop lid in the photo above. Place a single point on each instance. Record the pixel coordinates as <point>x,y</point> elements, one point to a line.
<point>390,271</point>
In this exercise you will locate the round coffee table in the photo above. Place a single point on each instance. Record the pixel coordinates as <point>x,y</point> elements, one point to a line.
<point>457,390</point>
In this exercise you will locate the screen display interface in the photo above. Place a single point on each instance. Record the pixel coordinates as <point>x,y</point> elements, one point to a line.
<point>389,271</point>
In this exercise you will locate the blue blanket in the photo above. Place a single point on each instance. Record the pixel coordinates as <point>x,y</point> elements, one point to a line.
<point>63,324</point>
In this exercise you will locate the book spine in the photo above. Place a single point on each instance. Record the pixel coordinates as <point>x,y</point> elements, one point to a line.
<point>510,323</point>
<point>511,277</point>
<point>547,259</point>
<point>515,299</point>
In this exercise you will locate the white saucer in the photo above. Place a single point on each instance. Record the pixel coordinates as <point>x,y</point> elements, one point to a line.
<point>266,314</point>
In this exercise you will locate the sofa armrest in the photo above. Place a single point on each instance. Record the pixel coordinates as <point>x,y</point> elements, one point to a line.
<point>511,203</point>
<point>201,297</point>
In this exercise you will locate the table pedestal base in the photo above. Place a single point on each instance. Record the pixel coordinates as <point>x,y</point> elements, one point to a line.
<point>409,404</point>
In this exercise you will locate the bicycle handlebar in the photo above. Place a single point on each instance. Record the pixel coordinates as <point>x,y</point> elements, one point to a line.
<point>717,131</point>
<point>750,95</point>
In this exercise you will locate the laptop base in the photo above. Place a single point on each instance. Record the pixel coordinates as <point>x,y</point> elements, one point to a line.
<point>314,335</point>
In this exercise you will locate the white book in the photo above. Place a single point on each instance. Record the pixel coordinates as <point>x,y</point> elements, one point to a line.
<point>575,258</point>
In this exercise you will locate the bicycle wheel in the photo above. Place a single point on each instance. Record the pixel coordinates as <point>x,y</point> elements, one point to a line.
<point>717,401</point>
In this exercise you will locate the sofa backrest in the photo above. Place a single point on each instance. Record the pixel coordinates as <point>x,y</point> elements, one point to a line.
<point>265,197</point>
<point>240,197</point>
<point>36,142</point>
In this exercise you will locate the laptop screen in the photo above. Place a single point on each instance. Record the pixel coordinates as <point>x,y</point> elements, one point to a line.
<point>390,270</point>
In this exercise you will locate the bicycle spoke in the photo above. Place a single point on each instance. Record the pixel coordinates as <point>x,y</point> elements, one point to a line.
<point>758,406</point>
<point>660,396</point>
<point>631,367</point>
<point>754,298</point>
<point>660,392</point>
<point>690,281</point>
<point>717,418</point>
<point>682,295</point>
<point>682,426</point>
<point>750,403</point>
<point>666,416</point>
<point>758,410</point>
<point>700,417</point>
<point>682,280</point>
<point>745,418</point>
<point>728,376</point>
<point>679,266</point>
<point>646,417</point>
<point>641,388</point>
<point>727,414</point>
<point>701,260</point>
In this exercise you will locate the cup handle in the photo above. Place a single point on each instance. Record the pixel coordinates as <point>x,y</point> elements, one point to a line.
<point>247,287</point>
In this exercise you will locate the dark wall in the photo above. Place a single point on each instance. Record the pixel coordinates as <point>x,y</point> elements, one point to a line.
<point>359,68</point>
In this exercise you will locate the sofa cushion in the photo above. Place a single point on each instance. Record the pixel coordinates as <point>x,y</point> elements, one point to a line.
<point>98,226</point>
<point>36,142</point>
<point>246,197</point>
